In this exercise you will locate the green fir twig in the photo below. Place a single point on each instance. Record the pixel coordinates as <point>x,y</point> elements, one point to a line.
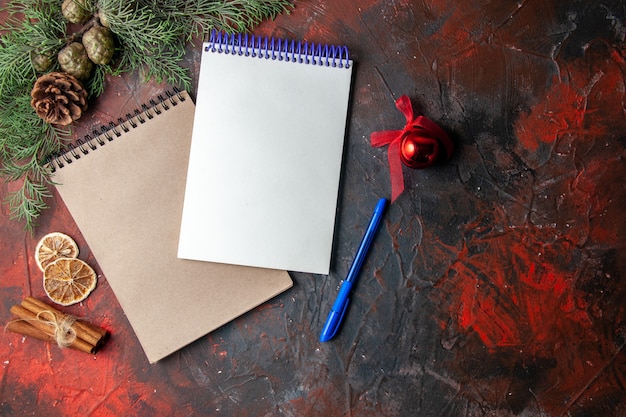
<point>26,140</point>
<point>150,36</point>
<point>198,17</point>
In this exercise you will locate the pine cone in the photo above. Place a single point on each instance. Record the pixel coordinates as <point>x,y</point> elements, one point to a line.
<point>99,44</point>
<point>76,11</point>
<point>75,61</point>
<point>41,61</point>
<point>104,20</point>
<point>58,98</point>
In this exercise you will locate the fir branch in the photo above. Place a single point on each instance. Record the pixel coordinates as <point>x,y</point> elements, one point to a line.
<point>95,85</point>
<point>23,133</point>
<point>140,26</point>
<point>16,69</point>
<point>151,37</point>
<point>39,31</point>
<point>199,17</point>
<point>27,203</point>
<point>26,142</point>
<point>166,68</point>
<point>42,10</point>
<point>149,42</point>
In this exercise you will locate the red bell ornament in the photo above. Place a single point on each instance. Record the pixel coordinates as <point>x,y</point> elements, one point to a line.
<point>419,145</point>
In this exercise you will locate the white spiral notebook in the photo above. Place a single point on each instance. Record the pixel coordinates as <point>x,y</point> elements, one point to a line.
<point>266,153</point>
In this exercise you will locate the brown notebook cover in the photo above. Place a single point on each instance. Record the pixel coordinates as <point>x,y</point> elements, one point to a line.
<point>125,189</point>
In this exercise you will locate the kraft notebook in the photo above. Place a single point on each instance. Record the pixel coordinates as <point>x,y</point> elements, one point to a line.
<point>124,188</point>
<point>266,153</point>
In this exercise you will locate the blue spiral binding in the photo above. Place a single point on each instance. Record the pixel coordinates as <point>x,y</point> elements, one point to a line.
<point>279,49</point>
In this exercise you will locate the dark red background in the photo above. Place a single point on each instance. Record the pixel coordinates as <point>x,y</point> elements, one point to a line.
<point>495,286</point>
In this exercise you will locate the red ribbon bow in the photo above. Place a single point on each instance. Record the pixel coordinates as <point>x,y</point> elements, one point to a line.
<point>417,145</point>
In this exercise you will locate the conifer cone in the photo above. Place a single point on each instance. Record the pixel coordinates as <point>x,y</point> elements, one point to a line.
<point>75,61</point>
<point>41,61</point>
<point>76,11</point>
<point>99,44</point>
<point>58,98</point>
<point>104,20</point>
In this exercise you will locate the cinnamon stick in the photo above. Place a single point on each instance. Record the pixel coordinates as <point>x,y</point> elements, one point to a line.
<point>26,329</point>
<point>91,334</point>
<point>37,319</point>
<point>46,328</point>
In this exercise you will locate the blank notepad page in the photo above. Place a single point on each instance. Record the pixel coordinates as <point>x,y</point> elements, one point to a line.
<point>266,154</point>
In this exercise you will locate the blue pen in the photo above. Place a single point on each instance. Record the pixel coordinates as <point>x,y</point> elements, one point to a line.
<point>338,310</point>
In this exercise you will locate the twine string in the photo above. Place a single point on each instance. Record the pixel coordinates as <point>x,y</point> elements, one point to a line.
<point>63,327</point>
<point>64,332</point>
